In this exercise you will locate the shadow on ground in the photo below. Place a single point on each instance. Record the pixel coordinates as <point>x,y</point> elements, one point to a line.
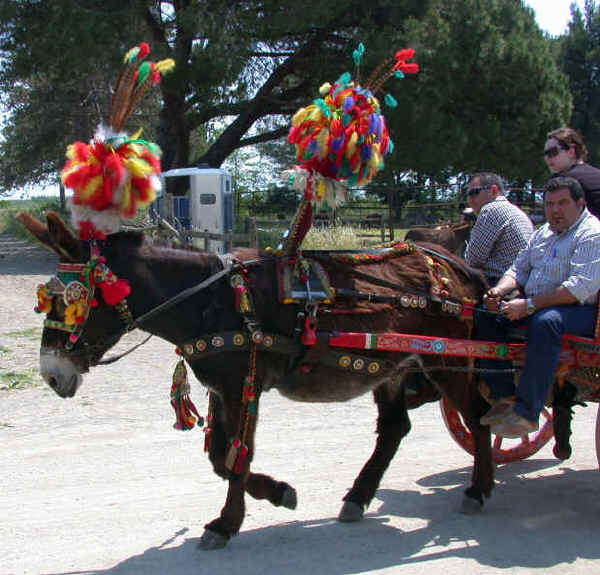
<point>531,522</point>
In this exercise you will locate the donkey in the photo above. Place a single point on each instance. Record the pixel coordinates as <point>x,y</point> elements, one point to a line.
<point>453,237</point>
<point>203,308</point>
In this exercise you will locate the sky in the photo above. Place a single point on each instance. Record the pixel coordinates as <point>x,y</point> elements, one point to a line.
<point>553,15</point>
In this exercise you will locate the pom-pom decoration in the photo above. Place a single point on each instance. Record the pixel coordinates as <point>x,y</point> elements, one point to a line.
<point>44,299</point>
<point>342,136</point>
<point>114,174</point>
<point>341,139</point>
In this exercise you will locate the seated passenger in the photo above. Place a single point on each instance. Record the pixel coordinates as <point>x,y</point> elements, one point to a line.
<point>500,231</point>
<point>559,273</point>
<point>566,155</point>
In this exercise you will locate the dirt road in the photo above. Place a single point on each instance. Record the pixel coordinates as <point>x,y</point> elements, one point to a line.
<point>102,484</point>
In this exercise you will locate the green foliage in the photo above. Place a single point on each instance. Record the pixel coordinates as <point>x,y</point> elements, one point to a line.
<point>488,92</point>
<point>579,59</point>
<point>54,80</point>
<point>236,63</point>
<point>37,207</point>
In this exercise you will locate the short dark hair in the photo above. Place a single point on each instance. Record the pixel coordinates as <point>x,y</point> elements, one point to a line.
<point>570,138</point>
<point>565,183</point>
<point>488,179</point>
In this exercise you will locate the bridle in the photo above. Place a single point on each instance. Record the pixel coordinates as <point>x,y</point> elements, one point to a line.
<point>76,283</point>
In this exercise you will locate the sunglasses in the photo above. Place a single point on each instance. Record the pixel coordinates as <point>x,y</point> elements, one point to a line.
<point>475,191</point>
<point>554,151</point>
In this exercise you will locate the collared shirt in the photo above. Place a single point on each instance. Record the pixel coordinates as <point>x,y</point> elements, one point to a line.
<point>570,259</point>
<point>500,232</point>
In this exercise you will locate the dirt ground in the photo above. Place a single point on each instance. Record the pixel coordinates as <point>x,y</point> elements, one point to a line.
<point>102,484</point>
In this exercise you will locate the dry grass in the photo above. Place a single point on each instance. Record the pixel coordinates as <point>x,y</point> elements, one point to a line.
<point>332,238</point>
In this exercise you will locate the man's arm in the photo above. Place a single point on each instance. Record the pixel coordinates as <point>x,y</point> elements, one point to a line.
<point>481,242</point>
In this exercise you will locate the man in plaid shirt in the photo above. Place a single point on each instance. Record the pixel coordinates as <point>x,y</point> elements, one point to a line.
<point>501,231</point>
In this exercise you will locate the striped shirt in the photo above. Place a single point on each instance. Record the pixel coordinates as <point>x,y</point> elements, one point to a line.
<point>570,259</point>
<point>500,232</point>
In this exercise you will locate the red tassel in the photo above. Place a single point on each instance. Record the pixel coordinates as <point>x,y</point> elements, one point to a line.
<point>232,454</point>
<point>115,292</point>
<point>208,431</point>
<point>186,414</point>
<point>309,335</point>
<point>236,456</point>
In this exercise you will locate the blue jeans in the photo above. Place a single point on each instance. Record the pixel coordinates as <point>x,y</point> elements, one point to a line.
<point>545,329</point>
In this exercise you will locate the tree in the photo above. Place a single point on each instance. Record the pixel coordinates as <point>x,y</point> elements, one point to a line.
<point>580,61</point>
<point>488,92</point>
<point>236,63</point>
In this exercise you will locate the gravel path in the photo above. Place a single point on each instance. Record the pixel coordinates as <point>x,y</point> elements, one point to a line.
<point>101,484</point>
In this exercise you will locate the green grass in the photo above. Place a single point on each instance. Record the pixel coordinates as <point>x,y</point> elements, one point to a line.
<point>4,349</point>
<point>13,380</point>
<point>29,333</point>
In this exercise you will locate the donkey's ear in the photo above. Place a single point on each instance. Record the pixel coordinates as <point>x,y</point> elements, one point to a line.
<point>62,238</point>
<point>37,228</point>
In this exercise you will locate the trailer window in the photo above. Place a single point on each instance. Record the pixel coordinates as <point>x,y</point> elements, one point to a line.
<point>208,199</point>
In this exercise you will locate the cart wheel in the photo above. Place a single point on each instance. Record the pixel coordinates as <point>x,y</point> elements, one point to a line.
<point>598,436</point>
<point>505,450</point>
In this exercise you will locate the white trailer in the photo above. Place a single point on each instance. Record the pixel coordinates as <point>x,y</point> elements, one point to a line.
<point>202,196</point>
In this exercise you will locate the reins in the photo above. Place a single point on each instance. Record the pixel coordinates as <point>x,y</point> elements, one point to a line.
<point>180,297</point>
<point>132,323</point>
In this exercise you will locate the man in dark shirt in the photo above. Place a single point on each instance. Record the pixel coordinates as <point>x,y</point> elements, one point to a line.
<point>566,155</point>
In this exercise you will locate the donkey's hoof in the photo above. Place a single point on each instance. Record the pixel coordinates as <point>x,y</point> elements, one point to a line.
<point>350,512</point>
<point>470,506</point>
<point>561,452</point>
<point>211,540</point>
<point>289,498</point>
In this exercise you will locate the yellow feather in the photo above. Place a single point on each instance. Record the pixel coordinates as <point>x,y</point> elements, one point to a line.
<point>299,116</point>
<point>164,66</point>
<point>90,188</point>
<point>351,147</point>
<point>126,197</point>
<point>137,167</point>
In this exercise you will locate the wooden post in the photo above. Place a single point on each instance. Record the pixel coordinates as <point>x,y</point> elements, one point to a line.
<point>254,235</point>
<point>390,214</point>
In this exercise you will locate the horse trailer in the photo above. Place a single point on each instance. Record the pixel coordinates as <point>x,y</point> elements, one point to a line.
<point>198,200</point>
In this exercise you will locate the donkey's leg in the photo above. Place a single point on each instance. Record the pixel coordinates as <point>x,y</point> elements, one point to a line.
<point>392,425</point>
<point>227,412</point>
<point>279,493</point>
<point>482,479</point>
<point>258,485</point>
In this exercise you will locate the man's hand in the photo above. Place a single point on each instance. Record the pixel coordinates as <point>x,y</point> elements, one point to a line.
<point>514,309</point>
<point>492,299</point>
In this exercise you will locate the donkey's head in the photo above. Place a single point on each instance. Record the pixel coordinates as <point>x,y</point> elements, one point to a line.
<point>80,324</point>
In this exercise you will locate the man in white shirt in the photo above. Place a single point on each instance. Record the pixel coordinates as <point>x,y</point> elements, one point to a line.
<point>559,272</point>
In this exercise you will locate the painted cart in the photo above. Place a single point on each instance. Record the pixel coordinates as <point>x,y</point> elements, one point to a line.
<point>579,365</point>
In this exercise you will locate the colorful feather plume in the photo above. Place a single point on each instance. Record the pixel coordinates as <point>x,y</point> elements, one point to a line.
<point>115,174</point>
<point>341,139</point>
<point>342,136</point>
